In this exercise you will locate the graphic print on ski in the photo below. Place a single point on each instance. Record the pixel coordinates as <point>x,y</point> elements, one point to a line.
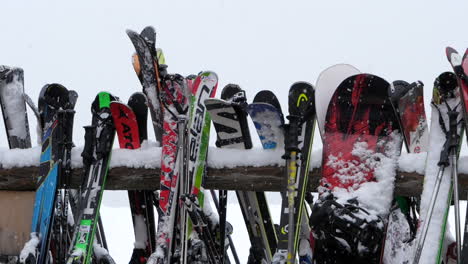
<point>204,87</point>
<point>409,105</point>
<point>53,99</point>
<point>150,79</point>
<point>298,140</point>
<point>130,124</point>
<point>99,138</point>
<point>14,107</point>
<point>265,112</point>
<point>359,140</point>
<point>231,126</point>
<point>198,130</point>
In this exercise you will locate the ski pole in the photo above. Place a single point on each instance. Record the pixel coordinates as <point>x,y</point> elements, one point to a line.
<point>457,206</point>
<point>231,243</point>
<point>453,145</point>
<point>291,148</point>
<point>422,237</point>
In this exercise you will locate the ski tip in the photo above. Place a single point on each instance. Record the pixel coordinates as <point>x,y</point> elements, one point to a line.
<point>229,91</point>
<point>444,87</point>
<point>301,98</point>
<point>453,57</point>
<point>148,30</point>
<point>131,33</point>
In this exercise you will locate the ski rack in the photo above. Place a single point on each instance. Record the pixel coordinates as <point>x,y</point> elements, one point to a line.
<point>266,178</point>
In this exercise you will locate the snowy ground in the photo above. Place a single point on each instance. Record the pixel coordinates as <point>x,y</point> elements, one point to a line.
<point>118,224</point>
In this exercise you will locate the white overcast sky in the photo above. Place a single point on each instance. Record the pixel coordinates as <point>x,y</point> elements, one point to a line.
<point>257,44</point>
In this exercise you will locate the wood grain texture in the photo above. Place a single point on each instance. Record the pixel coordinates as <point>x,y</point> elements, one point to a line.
<point>240,178</point>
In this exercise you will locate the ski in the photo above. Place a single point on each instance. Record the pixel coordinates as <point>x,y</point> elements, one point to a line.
<point>409,106</point>
<point>408,103</point>
<point>437,189</point>
<point>265,112</point>
<point>360,139</point>
<point>298,145</point>
<point>14,107</point>
<point>129,120</point>
<point>175,101</point>
<point>50,208</point>
<point>150,77</point>
<point>229,117</point>
<point>267,116</point>
<point>141,201</point>
<point>459,64</point>
<point>198,131</point>
<point>99,138</point>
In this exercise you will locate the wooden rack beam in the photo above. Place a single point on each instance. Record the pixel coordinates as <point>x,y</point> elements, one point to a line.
<point>240,178</point>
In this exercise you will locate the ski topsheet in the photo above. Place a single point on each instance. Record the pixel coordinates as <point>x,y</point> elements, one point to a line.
<point>361,147</point>
<point>14,107</point>
<point>408,101</point>
<point>204,87</point>
<point>99,138</point>
<point>198,131</point>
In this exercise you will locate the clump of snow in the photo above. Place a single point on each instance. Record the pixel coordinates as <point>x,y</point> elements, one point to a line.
<point>396,250</point>
<point>11,158</point>
<point>29,247</point>
<point>413,162</point>
<point>256,157</point>
<point>99,250</point>
<point>208,210</point>
<point>375,195</point>
<point>148,156</point>
<point>141,236</point>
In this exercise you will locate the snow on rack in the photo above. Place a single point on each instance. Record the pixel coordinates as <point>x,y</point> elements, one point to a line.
<point>149,156</point>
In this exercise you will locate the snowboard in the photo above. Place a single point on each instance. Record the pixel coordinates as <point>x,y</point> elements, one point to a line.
<point>361,145</point>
